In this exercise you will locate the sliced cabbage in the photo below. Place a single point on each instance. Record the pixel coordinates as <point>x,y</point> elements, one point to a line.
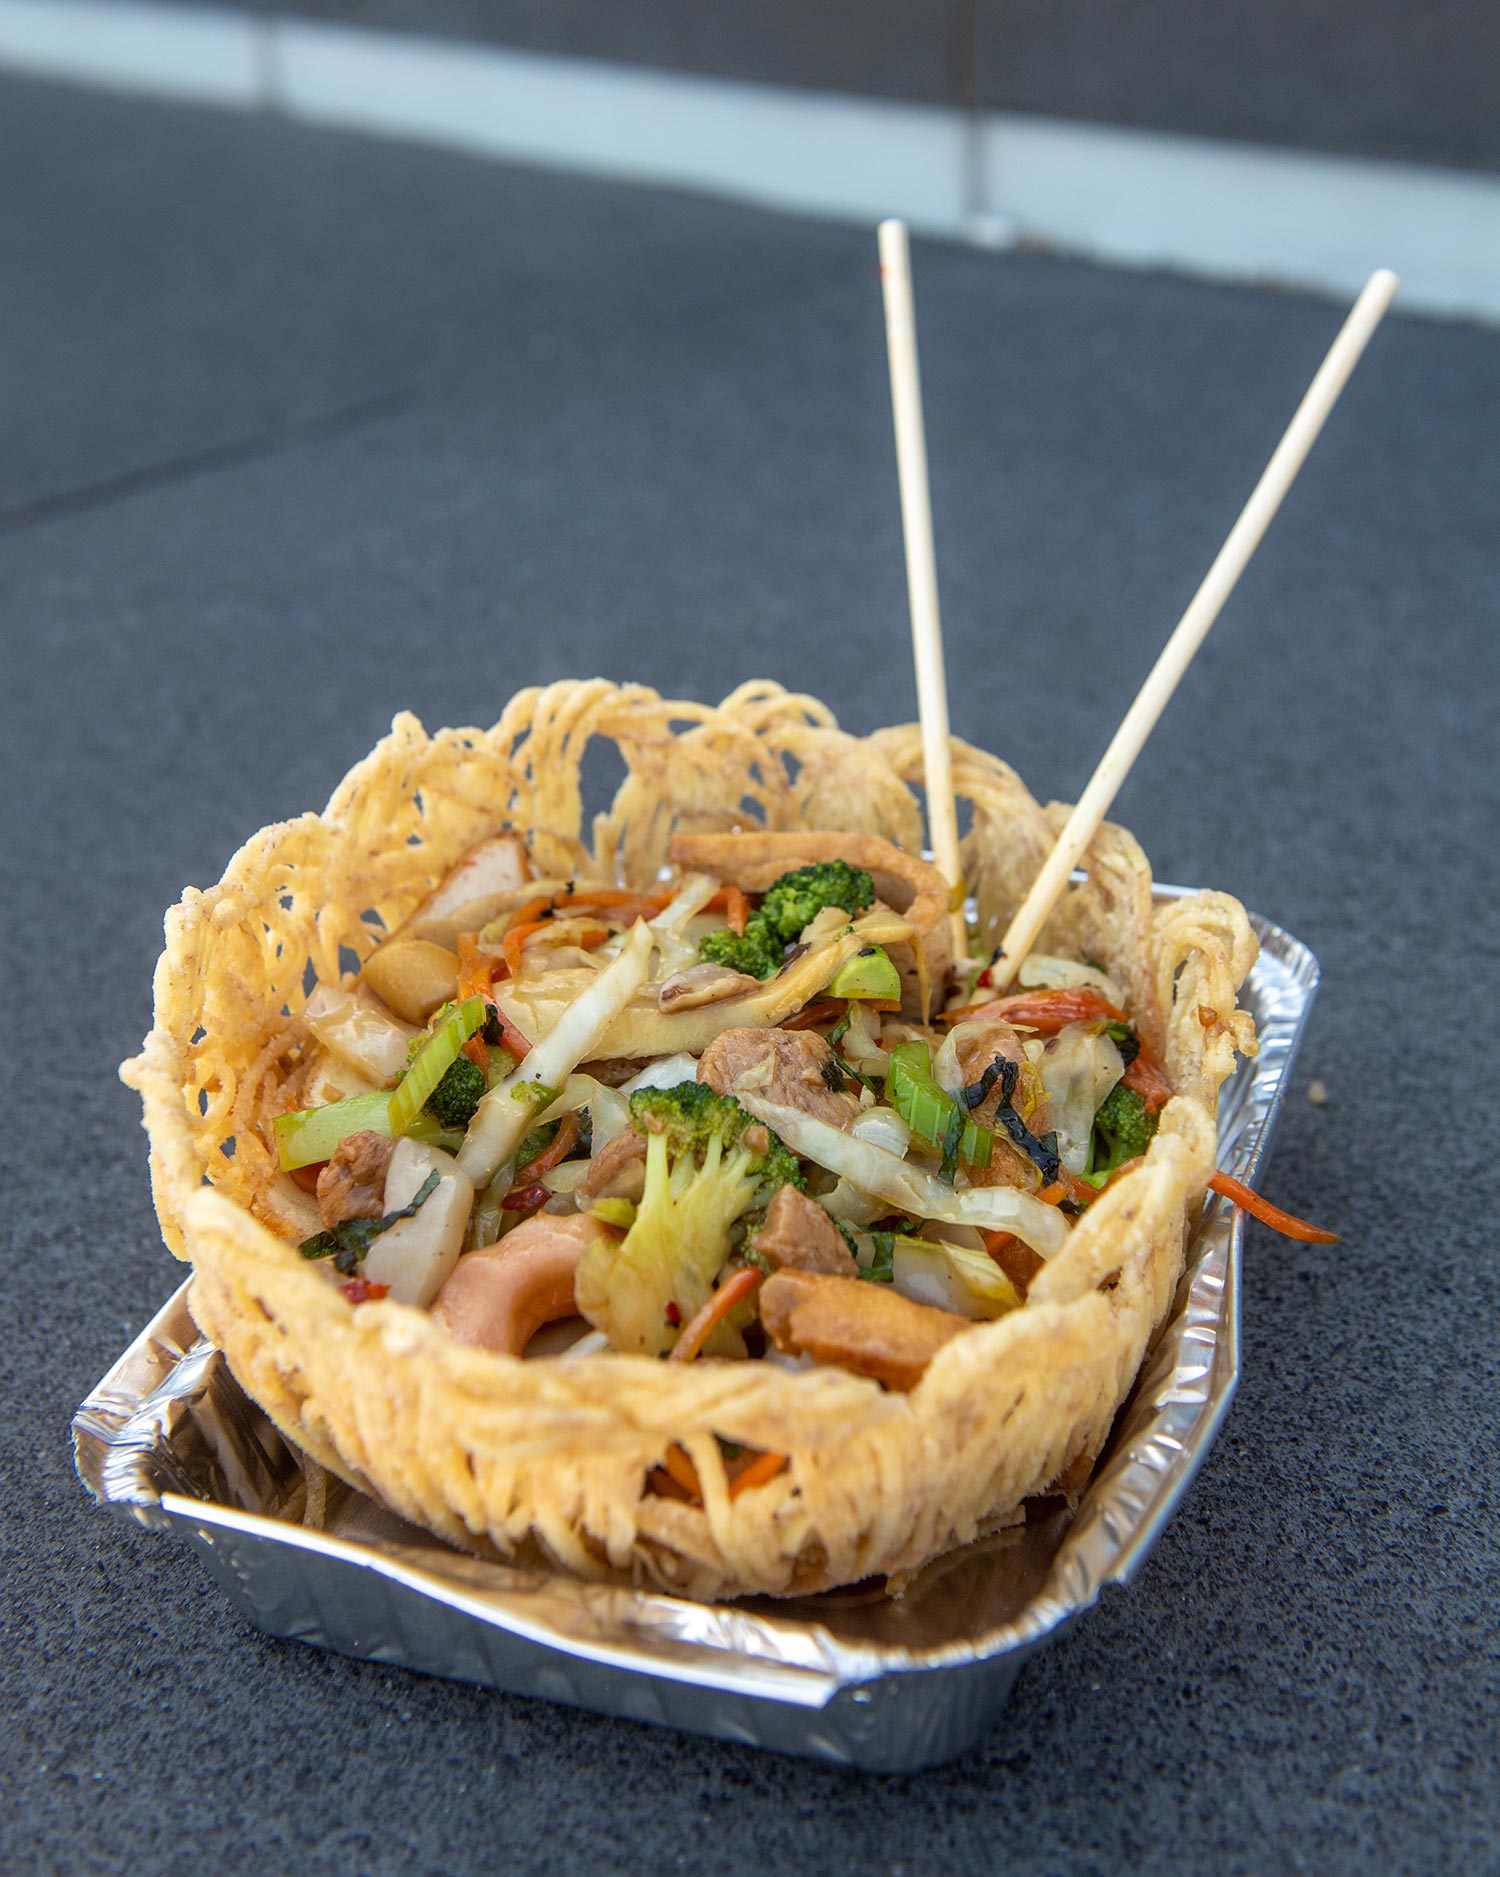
<point>609,1110</point>
<point>667,1072</point>
<point>851,1206</point>
<point>946,1071</point>
<point>359,1031</point>
<point>883,1127</point>
<point>860,1044</point>
<point>670,925</point>
<point>1079,1067</point>
<point>952,1277</point>
<point>332,1081</point>
<point>906,1188</point>
<point>508,1112</point>
<point>1038,971</point>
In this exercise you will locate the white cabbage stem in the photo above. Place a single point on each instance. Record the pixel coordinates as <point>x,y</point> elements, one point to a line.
<point>906,1188</point>
<point>508,1112</point>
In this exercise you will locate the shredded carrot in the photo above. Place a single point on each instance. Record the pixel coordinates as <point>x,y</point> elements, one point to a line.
<point>510,1037</point>
<point>616,898</point>
<point>556,1150</point>
<point>811,1014</point>
<point>736,907</point>
<point>702,1324</point>
<point>764,1467</point>
<point>661,1482</point>
<point>1050,1195</point>
<point>478,1052</point>
<point>515,938</point>
<point>307,1177</point>
<point>1014,1257</point>
<point>475,967</point>
<point>1145,1077</point>
<point>1284,1222</point>
<point>1046,1012</point>
<point>677,1477</point>
<point>682,1471</point>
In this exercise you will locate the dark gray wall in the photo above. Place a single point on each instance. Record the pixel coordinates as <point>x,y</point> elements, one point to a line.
<point>1398,78</point>
<point>1416,79</point>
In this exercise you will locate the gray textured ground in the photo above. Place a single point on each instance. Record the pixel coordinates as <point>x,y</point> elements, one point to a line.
<point>298,431</point>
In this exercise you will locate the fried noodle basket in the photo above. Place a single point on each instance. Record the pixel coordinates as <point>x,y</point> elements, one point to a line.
<point>544,1462</point>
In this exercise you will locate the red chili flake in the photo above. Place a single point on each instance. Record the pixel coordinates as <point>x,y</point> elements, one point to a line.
<point>528,1199</point>
<point>361,1290</point>
<point>674,1315</point>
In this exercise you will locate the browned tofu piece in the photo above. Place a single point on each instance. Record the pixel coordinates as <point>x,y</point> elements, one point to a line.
<point>856,1325</point>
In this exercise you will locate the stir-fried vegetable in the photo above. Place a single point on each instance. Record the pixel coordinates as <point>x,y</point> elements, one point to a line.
<point>1287,1223</point>
<point>1124,1128</point>
<point>1078,1070</point>
<point>709,1169</point>
<point>308,1136</point>
<point>870,975</point>
<point>951,1277</point>
<point>356,1029</point>
<point>790,904</point>
<point>451,1029</point>
<point>505,1116</point>
<point>561,974</point>
<point>349,1241</point>
<point>930,1111</point>
<point>797,898</point>
<point>905,1188</point>
<point>756,951</point>
<point>414,1257</point>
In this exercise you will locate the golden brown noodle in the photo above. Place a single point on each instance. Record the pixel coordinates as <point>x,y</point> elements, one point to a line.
<point>546,1461</point>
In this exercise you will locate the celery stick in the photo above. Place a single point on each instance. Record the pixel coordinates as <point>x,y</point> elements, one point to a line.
<point>433,1061</point>
<point>311,1134</point>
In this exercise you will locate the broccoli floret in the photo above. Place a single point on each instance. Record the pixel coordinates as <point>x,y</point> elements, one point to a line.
<point>790,903</point>
<point>453,1101</point>
<point>756,950</point>
<point>711,1170</point>
<point>797,898</point>
<point>1123,1128</point>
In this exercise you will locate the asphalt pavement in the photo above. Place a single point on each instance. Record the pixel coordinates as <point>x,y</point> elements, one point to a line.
<point>298,430</point>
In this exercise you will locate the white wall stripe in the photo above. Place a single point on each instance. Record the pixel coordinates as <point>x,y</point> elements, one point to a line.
<point>1246,212</point>
<point>812,151</point>
<point>206,54</point>
<point>1229,211</point>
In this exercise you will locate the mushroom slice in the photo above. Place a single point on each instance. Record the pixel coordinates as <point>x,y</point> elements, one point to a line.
<point>703,984</point>
<point>643,1031</point>
<point>912,887</point>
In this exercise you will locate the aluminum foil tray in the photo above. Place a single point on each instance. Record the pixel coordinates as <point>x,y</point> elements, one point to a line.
<point>853,1676</point>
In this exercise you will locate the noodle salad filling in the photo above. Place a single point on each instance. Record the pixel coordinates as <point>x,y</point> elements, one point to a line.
<point>760,1115</point>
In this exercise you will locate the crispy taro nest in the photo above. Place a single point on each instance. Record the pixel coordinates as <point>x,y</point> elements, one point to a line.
<point>546,1463</point>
